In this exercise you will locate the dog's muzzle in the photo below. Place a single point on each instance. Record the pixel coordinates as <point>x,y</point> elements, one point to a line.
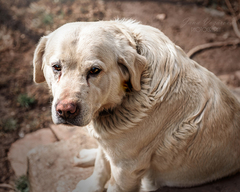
<point>67,110</point>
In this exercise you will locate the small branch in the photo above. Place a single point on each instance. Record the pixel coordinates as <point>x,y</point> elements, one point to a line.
<point>211,45</point>
<point>235,27</point>
<point>235,17</point>
<point>230,7</point>
<point>4,185</point>
<point>238,7</point>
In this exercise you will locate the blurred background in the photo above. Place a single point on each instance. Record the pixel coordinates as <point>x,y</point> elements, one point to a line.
<point>25,106</point>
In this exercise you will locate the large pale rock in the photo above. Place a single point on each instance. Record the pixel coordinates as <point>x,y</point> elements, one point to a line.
<point>50,168</point>
<point>18,152</point>
<point>63,132</point>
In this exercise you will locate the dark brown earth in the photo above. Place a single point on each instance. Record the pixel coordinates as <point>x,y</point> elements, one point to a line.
<point>25,107</point>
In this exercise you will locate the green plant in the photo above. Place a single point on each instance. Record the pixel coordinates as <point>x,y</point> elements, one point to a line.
<point>22,184</point>
<point>9,125</point>
<point>64,1</point>
<point>25,101</point>
<point>47,19</point>
<point>84,10</point>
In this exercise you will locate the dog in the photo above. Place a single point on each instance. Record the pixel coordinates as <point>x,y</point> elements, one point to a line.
<point>159,118</point>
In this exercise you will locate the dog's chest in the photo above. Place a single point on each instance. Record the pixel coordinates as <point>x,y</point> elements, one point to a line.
<point>120,147</point>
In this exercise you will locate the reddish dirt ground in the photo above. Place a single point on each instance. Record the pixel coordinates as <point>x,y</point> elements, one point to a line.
<point>25,107</point>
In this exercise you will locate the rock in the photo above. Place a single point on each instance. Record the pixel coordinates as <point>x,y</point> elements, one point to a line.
<point>161,16</point>
<point>50,168</point>
<point>64,132</point>
<point>225,35</point>
<point>215,12</point>
<point>224,78</point>
<point>18,152</point>
<point>232,79</point>
<point>237,76</point>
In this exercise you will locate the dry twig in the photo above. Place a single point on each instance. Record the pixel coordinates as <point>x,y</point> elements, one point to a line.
<point>4,185</point>
<point>211,45</point>
<point>230,7</point>
<point>235,27</point>
<point>234,17</point>
<point>220,44</point>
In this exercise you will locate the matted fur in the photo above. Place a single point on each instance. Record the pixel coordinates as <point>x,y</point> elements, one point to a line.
<point>179,125</point>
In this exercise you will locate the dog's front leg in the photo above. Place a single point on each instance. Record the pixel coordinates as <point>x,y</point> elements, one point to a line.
<point>124,179</point>
<point>101,174</point>
<point>87,158</point>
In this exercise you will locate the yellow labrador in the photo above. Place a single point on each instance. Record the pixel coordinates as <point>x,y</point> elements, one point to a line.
<point>160,119</point>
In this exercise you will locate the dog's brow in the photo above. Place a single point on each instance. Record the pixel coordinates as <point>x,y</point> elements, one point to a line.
<point>95,63</point>
<point>54,60</point>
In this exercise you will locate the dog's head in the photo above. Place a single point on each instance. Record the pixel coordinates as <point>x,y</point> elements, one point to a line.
<point>87,66</point>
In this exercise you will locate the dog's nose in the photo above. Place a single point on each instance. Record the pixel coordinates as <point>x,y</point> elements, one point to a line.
<point>67,109</point>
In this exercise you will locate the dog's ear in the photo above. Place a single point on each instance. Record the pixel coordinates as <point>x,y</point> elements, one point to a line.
<point>135,65</point>
<point>38,75</point>
<point>131,58</point>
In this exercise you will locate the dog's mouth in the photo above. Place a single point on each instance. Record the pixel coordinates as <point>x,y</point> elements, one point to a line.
<point>69,122</point>
<point>64,122</point>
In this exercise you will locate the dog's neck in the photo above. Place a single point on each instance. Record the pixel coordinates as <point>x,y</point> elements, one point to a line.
<point>132,110</point>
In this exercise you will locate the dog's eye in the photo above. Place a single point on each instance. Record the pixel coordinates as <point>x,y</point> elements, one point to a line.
<point>94,71</point>
<point>57,67</point>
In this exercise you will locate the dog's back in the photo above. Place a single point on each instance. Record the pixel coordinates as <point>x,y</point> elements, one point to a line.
<point>202,133</point>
